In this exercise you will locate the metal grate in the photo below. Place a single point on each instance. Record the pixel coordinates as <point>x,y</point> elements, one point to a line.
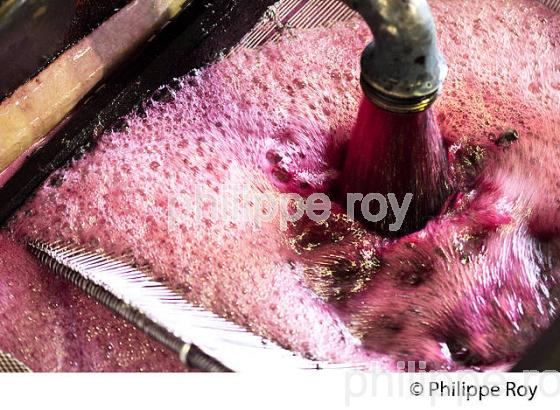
<point>553,4</point>
<point>8,364</point>
<point>287,14</point>
<point>202,339</point>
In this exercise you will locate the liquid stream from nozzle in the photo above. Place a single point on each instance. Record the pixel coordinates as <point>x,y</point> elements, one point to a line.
<point>397,156</point>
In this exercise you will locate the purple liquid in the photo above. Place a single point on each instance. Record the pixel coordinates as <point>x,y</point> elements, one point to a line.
<point>471,289</point>
<point>399,154</point>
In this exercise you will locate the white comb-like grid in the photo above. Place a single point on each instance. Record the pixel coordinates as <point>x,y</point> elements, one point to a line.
<point>229,343</point>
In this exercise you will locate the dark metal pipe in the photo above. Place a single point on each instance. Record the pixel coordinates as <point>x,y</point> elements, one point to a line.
<point>402,69</point>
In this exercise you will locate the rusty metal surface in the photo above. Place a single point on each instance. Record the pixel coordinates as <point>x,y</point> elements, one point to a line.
<point>44,29</point>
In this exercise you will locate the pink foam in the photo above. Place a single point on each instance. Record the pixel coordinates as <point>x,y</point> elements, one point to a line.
<point>478,281</point>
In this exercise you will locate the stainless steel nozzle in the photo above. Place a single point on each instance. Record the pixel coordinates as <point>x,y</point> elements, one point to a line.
<point>402,69</point>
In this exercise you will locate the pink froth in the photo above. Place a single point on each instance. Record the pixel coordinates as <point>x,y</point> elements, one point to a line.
<point>479,280</point>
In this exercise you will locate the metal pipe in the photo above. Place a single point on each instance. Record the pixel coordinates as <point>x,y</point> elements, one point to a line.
<point>402,69</point>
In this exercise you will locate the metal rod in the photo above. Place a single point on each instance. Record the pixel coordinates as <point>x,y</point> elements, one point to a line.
<point>189,354</point>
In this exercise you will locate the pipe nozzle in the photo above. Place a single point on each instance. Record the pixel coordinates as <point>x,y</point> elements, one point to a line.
<point>402,69</point>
